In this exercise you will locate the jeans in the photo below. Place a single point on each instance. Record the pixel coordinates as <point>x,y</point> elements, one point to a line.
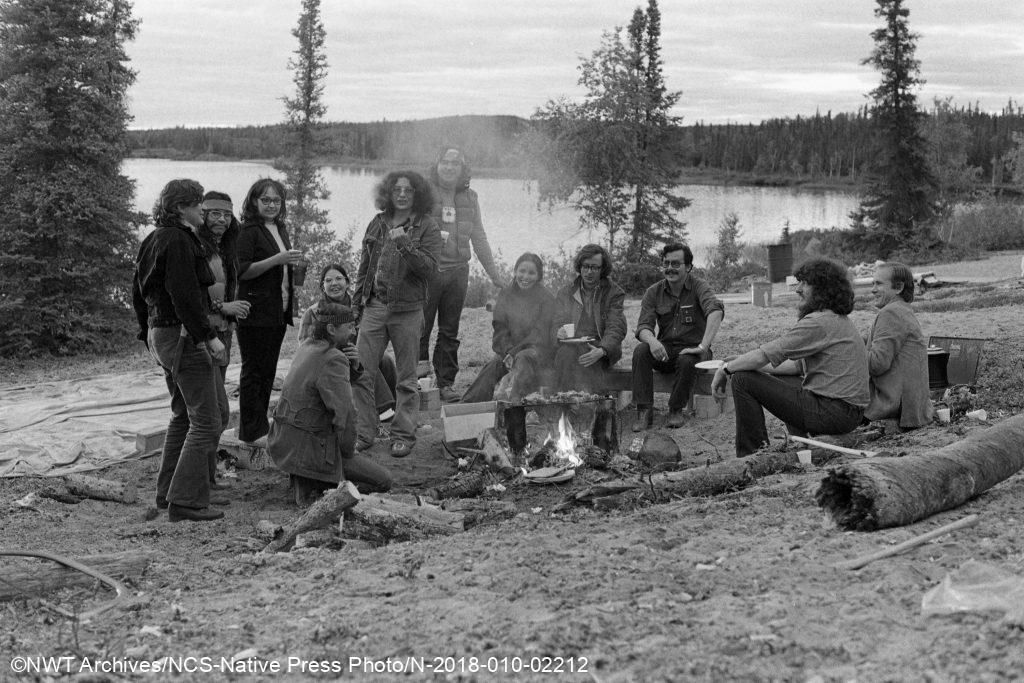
<point>570,375</point>
<point>804,412</point>
<point>445,299</point>
<point>194,429</point>
<point>368,476</point>
<point>376,329</point>
<point>684,365</point>
<point>260,347</point>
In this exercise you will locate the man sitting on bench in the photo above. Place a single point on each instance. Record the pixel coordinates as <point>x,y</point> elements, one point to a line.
<point>824,347</point>
<point>687,315</point>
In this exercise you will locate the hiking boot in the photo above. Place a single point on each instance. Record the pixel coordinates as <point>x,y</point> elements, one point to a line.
<point>644,419</point>
<point>449,395</point>
<point>676,419</point>
<point>178,513</point>
<point>423,369</point>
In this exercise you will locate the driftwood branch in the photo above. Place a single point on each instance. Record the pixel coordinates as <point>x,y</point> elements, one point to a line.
<point>865,560</point>
<point>886,492</point>
<point>324,512</point>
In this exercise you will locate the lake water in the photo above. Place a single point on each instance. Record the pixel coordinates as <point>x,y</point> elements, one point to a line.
<point>513,221</point>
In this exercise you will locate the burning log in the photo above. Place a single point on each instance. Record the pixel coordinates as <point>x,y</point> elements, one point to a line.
<point>886,492</point>
<point>584,419</point>
<point>383,520</point>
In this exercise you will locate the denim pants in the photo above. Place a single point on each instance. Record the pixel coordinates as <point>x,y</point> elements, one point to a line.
<point>378,327</point>
<point>368,476</point>
<point>260,347</point>
<point>804,412</point>
<point>194,430</point>
<point>445,299</point>
<point>683,365</point>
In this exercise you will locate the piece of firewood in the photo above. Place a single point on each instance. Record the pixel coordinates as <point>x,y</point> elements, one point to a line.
<point>476,512</point>
<point>47,577</point>
<point>382,520</point>
<point>886,492</point>
<point>324,512</point>
<point>72,488</point>
<point>865,560</point>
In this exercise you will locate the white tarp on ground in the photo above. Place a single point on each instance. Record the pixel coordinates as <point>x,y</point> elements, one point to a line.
<point>57,428</point>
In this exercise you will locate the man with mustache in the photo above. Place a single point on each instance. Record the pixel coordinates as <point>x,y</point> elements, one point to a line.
<point>823,355</point>
<point>679,318</point>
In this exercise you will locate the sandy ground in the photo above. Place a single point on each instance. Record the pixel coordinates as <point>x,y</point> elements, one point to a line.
<point>735,586</point>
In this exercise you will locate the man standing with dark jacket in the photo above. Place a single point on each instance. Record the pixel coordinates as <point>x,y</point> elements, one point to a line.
<point>687,315</point>
<point>457,213</point>
<point>589,307</point>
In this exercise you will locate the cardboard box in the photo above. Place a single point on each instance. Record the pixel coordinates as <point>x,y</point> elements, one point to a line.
<point>467,420</point>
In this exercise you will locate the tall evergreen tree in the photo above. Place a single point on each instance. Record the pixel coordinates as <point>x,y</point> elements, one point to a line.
<point>66,221</point>
<point>304,112</point>
<point>617,155</point>
<point>899,200</point>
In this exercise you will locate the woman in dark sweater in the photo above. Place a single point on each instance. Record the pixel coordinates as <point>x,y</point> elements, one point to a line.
<point>265,260</point>
<point>522,339</point>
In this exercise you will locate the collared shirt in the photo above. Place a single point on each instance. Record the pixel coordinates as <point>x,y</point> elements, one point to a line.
<point>678,319</point>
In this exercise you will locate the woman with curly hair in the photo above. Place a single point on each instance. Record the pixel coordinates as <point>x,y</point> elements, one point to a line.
<point>397,262</point>
<point>824,348</point>
<point>265,260</point>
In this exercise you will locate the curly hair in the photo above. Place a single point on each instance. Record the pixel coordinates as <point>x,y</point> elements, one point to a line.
<point>462,182</point>
<point>589,251</point>
<point>176,194</point>
<point>422,200</point>
<point>830,286</point>
<point>900,274</point>
<point>250,207</point>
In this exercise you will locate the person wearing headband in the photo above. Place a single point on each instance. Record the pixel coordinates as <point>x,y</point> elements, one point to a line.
<point>313,433</point>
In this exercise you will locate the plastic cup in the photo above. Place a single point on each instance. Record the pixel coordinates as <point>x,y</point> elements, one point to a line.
<point>425,383</point>
<point>804,456</point>
<point>299,273</point>
<point>570,330</point>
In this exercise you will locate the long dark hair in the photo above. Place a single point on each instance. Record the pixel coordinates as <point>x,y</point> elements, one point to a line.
<point>251,209</point>
<point>462,182</point>
<point>830,287</point>
<point>535,260</point>
<point>176,193</point>
<point>423,198</point>
<point>323,275</point>
<point>227,248</point>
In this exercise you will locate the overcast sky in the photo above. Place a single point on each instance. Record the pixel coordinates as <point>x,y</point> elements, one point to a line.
<point>224,62</point>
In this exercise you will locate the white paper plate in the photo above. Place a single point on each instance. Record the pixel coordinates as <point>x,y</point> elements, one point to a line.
<point>710,364</point>
<point>562,476</point>
<point>578,340</point>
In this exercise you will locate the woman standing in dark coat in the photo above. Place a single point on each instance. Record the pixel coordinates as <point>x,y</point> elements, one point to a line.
<point>265,260</point>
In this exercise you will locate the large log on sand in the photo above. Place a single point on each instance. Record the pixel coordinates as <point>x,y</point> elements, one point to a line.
<point>383,520</point>
<point>887,492</point>
<point>47,577</point>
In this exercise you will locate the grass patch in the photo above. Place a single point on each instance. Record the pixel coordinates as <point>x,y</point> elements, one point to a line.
<point>969,301</point>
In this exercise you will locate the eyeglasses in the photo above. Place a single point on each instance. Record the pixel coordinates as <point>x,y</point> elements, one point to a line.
<point>270,201</point>
<point>672,264</point>
<point>587,267</point>
<point>399,191</point>
<point>217,214</point>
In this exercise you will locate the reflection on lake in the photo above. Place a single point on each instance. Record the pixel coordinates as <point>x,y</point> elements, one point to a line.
<point>511,217</point>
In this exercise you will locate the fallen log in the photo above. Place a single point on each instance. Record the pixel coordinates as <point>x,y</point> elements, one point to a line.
<point>865,560</point>
<point>381,520</point>
<point>476,512</point>
<point>46,578</point>
<point>324,512</point>
<point>886,492</point>
<point>72,488</point>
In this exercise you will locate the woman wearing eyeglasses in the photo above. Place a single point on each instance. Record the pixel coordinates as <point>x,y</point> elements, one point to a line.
<point>265,260</point>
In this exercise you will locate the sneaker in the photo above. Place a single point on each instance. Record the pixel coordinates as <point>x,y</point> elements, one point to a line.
<point>423,369</point>
<point>387,414</point>
<point>449,395</point>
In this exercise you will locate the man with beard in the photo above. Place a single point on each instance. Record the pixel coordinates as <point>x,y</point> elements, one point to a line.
<point>687,315</point>
<point>313,434</point>
<point>589,307</point>
<point>824,348</point>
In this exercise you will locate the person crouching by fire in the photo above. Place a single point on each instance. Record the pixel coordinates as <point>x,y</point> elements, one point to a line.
<point>313,434</point>
<point>590,307</point>
<point>823,355</point>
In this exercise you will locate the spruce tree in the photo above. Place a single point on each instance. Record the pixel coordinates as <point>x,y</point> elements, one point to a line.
<point>304,112</point>
<point>899,200</point>
<point>66,221</point>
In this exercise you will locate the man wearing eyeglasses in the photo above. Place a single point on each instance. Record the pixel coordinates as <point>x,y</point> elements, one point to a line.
<point>590,324</point>
<point>679,318</point>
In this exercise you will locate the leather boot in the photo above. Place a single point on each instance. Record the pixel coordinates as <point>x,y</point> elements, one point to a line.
<point>644,419</point>
<point>676,419</point>
<point>177,513</point>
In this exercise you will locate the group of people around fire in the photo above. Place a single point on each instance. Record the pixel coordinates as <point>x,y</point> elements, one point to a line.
<point>203,276</point>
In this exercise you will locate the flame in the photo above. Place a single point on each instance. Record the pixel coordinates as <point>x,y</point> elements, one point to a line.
<point>565,444</point>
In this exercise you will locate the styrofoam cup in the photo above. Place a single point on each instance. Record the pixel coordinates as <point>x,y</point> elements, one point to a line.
<point>425,383</point>
<point>570,330</point>
<point>942,415</point>
<point>804,456</point>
